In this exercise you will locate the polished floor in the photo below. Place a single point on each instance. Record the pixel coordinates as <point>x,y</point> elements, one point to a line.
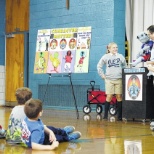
<point>98,136</point>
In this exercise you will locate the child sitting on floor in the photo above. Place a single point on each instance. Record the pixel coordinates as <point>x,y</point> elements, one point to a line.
<point>13,132</point>
<point>33,129</point>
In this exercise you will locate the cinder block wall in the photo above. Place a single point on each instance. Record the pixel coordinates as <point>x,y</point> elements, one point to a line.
<point>2,52</point>
<point>2,85</point>
<point>106,17</point>
<point>2,32</point>
<point>119,24</point>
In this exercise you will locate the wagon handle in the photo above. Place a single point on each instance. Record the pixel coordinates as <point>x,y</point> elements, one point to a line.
<point>92,83</point>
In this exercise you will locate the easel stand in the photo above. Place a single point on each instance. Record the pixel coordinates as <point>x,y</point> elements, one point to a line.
<point>46,87</point>
<point>77,112</point>
<point>69,75</point>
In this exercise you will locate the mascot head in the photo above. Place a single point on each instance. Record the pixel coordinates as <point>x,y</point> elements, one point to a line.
<point>143,37</point>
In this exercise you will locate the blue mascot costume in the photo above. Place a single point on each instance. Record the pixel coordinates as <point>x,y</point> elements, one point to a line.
<point>145,52</point>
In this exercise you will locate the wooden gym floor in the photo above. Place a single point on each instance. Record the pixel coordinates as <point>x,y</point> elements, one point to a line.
<point>98,136</point>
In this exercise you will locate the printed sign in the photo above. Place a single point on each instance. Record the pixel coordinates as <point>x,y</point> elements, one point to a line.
<point>63,50</point>
<point>133,88</point>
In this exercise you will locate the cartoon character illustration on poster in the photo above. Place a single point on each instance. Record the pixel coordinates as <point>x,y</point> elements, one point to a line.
<point>72,43</point>
<point>53,44</point>
<point>41,63</point>
<point>63,44</point>
<point>55,61</point>
<point>39,43</point>
<point>145,51</point>
<point>81,60</point>
<point>88,43</point>
<point>133,86</point>
<point>78,44</point>
<point>68,59</point>
<point>83,45</point>
<point>46,43</point>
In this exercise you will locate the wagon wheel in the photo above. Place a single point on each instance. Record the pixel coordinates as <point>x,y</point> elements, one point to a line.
<point>113,110</point>
<point>99,109</point>
<point>86,109</point>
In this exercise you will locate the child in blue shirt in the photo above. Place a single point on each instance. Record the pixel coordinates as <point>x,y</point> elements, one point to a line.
<point>13,133</point>
<point>38,136</point>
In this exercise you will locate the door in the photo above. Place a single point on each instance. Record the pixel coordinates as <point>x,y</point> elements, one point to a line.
<point>14,66</point>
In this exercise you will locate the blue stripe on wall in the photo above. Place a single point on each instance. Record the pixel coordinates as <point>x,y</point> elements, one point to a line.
<point>2,32</point>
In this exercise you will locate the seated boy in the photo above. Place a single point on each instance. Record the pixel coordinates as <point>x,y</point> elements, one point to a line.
<point>35,134</point>
<point>13,133</point>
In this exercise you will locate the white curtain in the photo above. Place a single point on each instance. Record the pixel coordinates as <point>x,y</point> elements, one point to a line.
<point>139,16</point>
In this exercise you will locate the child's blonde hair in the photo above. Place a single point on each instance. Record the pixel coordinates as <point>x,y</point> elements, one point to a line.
<point>109,46</point>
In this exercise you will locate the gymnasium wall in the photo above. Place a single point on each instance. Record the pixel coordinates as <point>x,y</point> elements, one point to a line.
<point>2,32</point>
<point>2,52</point>
<point>107,19</point>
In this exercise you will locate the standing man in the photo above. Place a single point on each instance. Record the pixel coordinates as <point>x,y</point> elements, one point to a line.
<point>150,64</point>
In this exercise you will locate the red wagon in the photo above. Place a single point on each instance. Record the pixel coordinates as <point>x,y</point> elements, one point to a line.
<point>98,97</point>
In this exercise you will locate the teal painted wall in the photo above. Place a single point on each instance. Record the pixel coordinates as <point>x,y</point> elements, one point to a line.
<point>107,19</point>
<point>2,32</point>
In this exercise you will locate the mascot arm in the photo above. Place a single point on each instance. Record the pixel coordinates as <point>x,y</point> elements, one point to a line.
<point>139,55</point>
<point>142,51</point>
<point>147,47</point>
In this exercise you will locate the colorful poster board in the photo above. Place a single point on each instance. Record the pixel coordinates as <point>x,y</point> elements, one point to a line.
<point>63,50</point>
<point>133,88</point>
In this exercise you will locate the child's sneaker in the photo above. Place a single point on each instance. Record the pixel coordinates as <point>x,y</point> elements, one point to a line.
<point>69,129</point>
<point>74,136</point>
<point>2,132</point>
<point>13,141</point>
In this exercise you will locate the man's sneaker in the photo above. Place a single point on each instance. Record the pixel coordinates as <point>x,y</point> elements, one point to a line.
<point>150,73</point>
<point>152,125</point>
<point>69,129</point>
<point>152,128</point>
<point>74,136</point>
